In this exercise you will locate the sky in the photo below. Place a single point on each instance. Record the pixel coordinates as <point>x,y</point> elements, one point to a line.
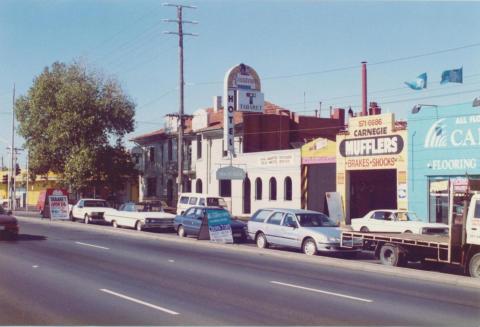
<point>305,52</point>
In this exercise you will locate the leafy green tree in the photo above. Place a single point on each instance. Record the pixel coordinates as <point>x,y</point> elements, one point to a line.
<point>74,121</point>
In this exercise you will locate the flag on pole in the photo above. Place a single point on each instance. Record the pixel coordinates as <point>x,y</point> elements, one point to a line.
<point>452,76</point>
<point>419,83</point>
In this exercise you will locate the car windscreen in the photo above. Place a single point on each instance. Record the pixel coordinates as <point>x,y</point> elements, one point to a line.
<point>216,202</point>
<point>315,220</point>
<point>148,208</point>
<point>407,216</point>
<point>92,203</point>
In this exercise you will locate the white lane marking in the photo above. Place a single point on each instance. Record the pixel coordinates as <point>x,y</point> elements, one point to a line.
<point>35,266</point>
<point>93,246</point>
<point>171,260</point>
<point>324,292</point>
<point>139,301</point>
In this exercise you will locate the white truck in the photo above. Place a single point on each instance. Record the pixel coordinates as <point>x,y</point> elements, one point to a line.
<point>460,247</point>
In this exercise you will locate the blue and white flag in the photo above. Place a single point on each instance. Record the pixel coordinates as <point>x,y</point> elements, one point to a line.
<point>419,83</point>
<point>452,76</point>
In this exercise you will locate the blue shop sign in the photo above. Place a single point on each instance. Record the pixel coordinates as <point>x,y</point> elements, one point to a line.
<point>446,140</point>
<point>444,148</point>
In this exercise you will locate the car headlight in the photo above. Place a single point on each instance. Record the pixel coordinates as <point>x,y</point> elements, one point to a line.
<point>147,220</point>
<point>331,239</point>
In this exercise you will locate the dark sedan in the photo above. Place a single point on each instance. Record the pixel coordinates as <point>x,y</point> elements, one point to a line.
<point>8,224</point>
<point>190,222</point>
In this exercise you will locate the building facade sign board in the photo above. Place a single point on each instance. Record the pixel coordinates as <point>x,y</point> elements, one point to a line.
<point>318,151</point>
<point>230,172</point>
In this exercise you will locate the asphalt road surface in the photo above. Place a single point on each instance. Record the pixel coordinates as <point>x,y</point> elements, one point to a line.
<point>73,274</point>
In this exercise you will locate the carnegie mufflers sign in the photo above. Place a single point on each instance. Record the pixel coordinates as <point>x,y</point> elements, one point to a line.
<point>372,142</point>
<point>371,146</point>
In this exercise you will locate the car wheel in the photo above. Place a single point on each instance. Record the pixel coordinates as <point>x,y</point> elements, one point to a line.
<point>85,220</point>
<point>474,266</point>
<point>114,224</point>
<point>138,226</point>
<point>391,255</point>
<point>309,247</point>
<point>364,229</point>
<point>181,231</point>
<point>261,241</point>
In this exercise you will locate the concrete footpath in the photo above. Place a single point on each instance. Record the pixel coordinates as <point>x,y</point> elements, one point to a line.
<point>431,276</point>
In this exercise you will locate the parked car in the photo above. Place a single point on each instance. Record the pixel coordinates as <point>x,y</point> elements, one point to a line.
<point>310,231</point>
<point>140,216</point>
<point>188,200</point>
<point>8,224</point>
<point>190,222</point>
<point>90,210</point>
<point>396,221</point>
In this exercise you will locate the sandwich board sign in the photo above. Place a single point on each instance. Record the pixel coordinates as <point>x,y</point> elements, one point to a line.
<point>58,207</point>
<point>219,226</point>
<point>335,206</point>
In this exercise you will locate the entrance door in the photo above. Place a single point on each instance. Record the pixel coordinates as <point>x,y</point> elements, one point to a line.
<point>246,196</point>
<point>372,189</point>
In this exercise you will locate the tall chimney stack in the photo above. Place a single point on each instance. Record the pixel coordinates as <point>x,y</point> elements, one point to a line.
<point>364,89</point>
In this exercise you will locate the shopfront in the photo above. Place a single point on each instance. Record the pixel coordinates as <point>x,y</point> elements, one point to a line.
<point>372,165</point>
<point>444,152</point>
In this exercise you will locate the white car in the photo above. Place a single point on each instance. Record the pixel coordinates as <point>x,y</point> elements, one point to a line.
<point>307,230</point>
<point>396,221</point>
<point>90,210</point>
<point>140,216</point>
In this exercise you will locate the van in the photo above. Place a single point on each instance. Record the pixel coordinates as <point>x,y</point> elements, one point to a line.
<point>187,200</point>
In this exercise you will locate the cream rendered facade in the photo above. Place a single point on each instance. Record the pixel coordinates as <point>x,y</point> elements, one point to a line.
<point>279,165</point>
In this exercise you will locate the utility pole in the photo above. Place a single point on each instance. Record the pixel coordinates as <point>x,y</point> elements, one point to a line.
<point>11,179</point>
<point>180,34</point>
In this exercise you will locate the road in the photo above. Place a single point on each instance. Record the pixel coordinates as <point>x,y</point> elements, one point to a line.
<point>75,274</point>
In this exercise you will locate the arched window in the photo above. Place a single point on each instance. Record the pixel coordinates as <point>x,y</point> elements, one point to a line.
<point>198,186</point>
<point>258,188</point>
<point>273,189</point>
<point>288,188</point>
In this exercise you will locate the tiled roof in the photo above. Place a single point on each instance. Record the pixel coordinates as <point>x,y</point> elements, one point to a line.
<point>157,133</point>
<point>215,121</point>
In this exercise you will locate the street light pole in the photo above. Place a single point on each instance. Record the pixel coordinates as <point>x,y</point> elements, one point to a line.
<point>180,34</point>
<point>12,153</point>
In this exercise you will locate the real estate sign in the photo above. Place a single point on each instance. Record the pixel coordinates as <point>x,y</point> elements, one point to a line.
<point>219,226</point>
<point>58,207</point>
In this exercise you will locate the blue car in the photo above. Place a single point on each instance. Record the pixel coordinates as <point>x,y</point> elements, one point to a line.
<point>190,221</point>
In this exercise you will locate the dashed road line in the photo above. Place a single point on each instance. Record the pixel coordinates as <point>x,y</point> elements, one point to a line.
<point>92,245</point>
<point>153,306</point>
<point>323,292</point>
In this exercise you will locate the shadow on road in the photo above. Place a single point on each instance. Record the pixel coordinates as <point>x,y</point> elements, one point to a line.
<point>22,237</point>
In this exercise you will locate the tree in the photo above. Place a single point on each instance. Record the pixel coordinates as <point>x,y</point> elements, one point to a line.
<point>74,121</point>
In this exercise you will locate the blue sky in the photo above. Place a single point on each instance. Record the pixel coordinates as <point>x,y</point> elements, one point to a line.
<point>296,40</point>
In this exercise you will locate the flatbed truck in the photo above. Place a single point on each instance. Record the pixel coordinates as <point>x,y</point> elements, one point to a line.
<point>460,247</point>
